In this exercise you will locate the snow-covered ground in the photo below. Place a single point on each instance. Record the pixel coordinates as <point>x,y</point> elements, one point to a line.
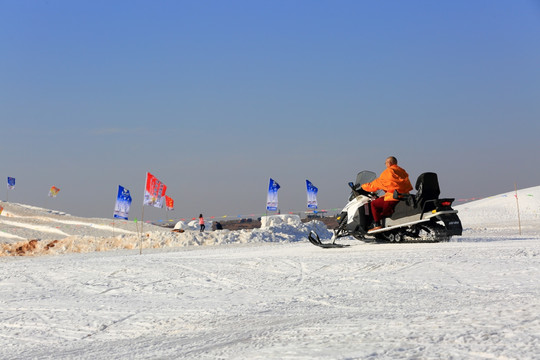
<point>268,293</point>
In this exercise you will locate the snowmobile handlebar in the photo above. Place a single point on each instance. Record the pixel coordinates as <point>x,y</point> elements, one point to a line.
<point>357,189</point>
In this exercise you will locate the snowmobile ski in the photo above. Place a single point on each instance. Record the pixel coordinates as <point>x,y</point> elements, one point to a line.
<point>315,240</point>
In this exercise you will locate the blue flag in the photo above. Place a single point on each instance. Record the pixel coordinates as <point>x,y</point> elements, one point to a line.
<point>272,198</point>
<point>10,183</point>
<point>311,195</point>
<point>123,203</point>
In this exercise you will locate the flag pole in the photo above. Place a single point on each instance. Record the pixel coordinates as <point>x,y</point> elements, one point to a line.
<point>517,203</point>
<point>142,216</point>
<point>141,237</point>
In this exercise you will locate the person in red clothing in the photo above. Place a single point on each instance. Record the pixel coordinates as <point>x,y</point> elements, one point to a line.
<point>392,178</point>
<point>201,222</point>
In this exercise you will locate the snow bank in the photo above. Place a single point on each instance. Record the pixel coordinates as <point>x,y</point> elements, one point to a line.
<point>180,225</point>
<point>283,232</point>
<point>44,233</point>
<point>502,209</point>
<point>276,220</point>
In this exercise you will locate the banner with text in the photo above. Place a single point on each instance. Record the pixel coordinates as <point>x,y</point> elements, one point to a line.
<point>10,183</point>
<point>272,198</point>
<point>123,203</point>
<point>311,195</point>
<point>169,203</point>
<point>53,191</point>
<point>154,192</point>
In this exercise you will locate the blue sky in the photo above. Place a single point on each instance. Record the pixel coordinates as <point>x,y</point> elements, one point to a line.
<point>216,97</point>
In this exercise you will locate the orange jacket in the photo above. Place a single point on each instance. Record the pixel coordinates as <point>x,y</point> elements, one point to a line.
<point>392,178</point>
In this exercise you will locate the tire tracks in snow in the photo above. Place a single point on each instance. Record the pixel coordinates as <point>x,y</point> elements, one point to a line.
<point>105,327</point>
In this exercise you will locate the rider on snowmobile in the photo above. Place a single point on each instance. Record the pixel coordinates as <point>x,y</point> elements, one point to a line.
<point>392,178</point>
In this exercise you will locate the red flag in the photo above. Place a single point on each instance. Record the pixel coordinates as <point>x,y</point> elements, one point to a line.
<point>169,202</point>
<point>154,192</point>
<point>53,191</point>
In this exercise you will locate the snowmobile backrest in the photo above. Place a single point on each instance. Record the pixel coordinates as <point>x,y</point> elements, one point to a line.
<point>427,187</point>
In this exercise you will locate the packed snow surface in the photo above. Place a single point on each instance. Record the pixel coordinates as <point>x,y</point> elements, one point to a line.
<point>267,293</point>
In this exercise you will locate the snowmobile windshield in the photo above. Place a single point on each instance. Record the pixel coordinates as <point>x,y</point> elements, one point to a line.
<point>365,177</point>
<point>362,178</point>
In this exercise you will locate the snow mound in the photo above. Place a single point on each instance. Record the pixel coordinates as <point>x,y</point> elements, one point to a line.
<point>502,209</point>
<point>290,226</point>
<point>31,231</point>
<point>180,225</point>
<point>276,220</point>
<point>164,238</point>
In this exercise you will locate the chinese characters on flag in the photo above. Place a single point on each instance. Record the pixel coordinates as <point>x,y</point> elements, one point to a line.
<point>154,192</point>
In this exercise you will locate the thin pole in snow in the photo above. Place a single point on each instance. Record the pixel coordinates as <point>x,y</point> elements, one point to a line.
<point>137,227</point>
<point>141,237</point>
<point>517,203</point>
<point>142,216</point>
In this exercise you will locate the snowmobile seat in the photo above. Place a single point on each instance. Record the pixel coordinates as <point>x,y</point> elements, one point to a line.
<point>405,207</point>
<point>427,190</point>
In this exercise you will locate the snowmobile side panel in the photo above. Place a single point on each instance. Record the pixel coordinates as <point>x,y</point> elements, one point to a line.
<point>403,210</point>
<point>408,220</point>
<point>419,218</point>
<point>398,226</point>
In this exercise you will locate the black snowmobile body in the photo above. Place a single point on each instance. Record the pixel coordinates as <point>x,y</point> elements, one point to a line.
<point>420,217</point>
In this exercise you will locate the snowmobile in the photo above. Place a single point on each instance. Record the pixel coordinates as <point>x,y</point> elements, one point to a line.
<point>420,217</point>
